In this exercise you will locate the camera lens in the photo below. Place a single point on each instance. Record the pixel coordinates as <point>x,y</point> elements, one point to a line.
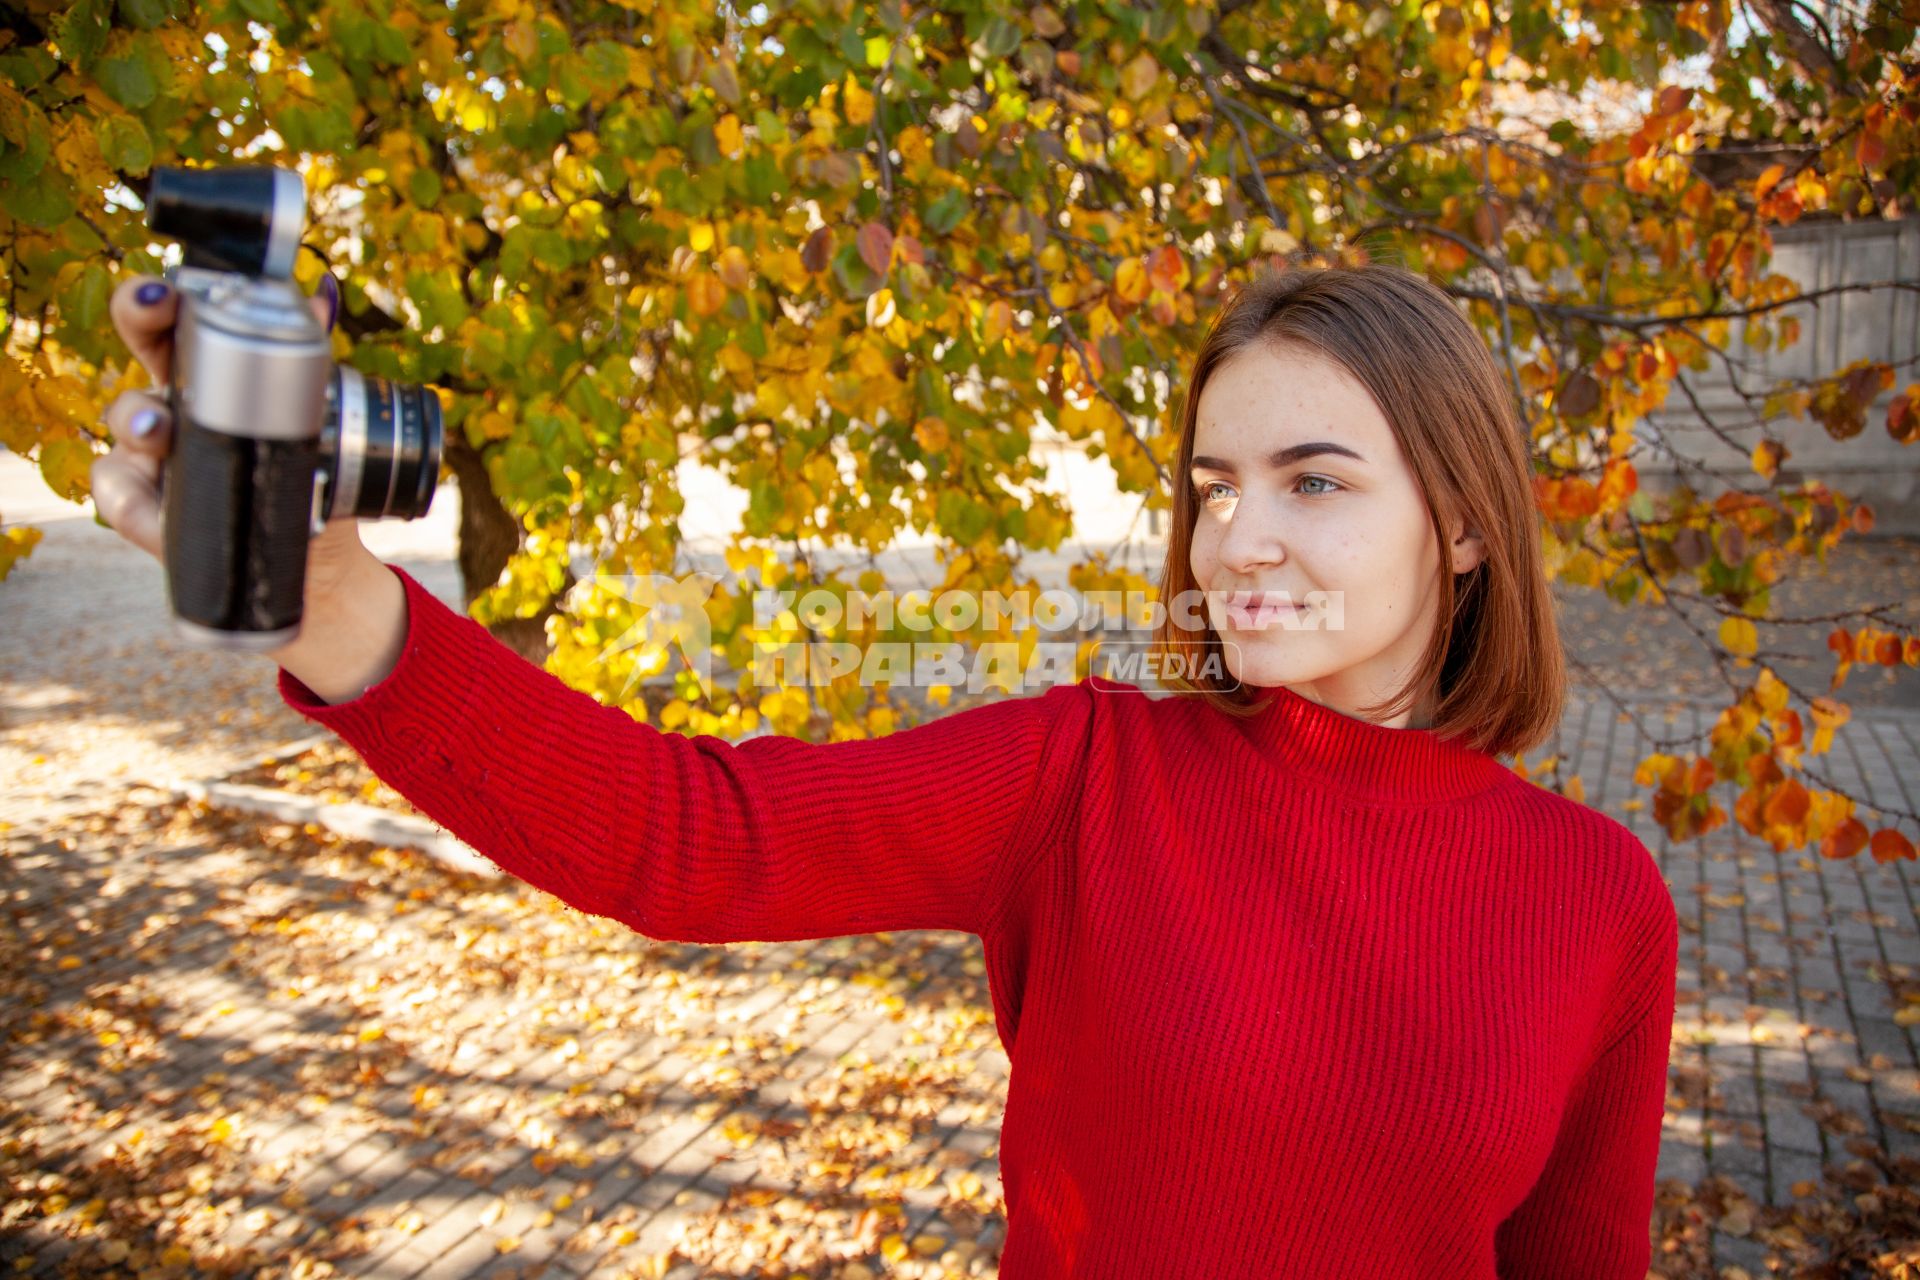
<point>380,446</point>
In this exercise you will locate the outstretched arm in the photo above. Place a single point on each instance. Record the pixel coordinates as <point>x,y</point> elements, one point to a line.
<point>698,839</point>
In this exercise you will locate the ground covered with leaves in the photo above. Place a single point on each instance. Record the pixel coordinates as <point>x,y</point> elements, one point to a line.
<point>244,1048</point>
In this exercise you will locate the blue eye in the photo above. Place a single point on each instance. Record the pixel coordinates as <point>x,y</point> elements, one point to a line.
<point>1322,480</point>
<point>1200,490</point>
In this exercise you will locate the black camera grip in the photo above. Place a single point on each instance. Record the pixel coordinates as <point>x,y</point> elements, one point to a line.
<point>237,518</point>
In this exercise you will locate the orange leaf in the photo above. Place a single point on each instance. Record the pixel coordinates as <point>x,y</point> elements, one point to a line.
<point>1889,845</point>
<point>1828,714</point>
<point>1788,804</point>
<point>1871,150</point>
<point>1787,728</point>
<point>1578,499</point>
<point>1166,269</point>
<point>1903,415</point>
<point>1617,484</point>
<point>705,293</point>
<point>1844,840</point>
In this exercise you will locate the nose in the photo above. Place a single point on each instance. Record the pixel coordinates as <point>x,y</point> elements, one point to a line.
<point>1251,543</point>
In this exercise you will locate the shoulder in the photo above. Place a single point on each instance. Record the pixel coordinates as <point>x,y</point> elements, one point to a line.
<point>1613,862</point>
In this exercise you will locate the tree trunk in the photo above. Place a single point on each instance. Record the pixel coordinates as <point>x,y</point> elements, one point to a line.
<point>489,535</point>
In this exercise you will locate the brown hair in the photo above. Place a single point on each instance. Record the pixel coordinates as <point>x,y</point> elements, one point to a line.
<point>1496,671</point>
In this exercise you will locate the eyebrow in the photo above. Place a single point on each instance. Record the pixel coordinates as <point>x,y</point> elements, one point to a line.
<point>1283,457</point>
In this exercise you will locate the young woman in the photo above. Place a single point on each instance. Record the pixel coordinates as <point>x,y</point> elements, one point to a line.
<point>1296,977</point>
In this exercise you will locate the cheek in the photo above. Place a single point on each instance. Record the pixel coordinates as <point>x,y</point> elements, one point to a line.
<point>1201,557</point>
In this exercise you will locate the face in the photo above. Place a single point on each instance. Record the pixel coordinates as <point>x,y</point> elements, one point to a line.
<point>1302,489</point>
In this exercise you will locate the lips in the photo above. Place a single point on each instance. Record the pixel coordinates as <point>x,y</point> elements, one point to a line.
<point>1258,599</point>
<point>1257,610</point>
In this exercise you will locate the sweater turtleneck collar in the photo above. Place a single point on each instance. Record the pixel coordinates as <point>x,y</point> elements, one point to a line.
<point>1366,760</point>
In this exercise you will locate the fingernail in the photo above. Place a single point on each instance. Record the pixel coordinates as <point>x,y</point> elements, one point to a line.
<point>150,293</point>
<point>330,290</point>
<point>144,422</point>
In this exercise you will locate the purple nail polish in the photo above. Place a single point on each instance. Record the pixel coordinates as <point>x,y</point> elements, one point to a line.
<point>150,293</point>
<point>144,422</point>
<point>330,290</point>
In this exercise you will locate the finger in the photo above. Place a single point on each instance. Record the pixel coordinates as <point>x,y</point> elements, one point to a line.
<point>144,309</point>
<point>125,495</point>
<point>141,424</point>
<point>326,300</point>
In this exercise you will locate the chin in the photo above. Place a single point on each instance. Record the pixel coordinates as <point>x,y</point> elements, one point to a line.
<point>1258,662</point>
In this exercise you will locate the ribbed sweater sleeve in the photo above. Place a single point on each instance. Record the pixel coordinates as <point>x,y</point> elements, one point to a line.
<point>1589,1215</point>
<point>697,839</point>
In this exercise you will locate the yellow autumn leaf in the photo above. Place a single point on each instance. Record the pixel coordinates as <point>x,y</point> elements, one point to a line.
<point>858,103</point>
<point>1740,637</point>
<point>1138,77</point>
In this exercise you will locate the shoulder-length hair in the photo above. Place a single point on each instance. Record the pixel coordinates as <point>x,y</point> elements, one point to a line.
<point>1495,669</point>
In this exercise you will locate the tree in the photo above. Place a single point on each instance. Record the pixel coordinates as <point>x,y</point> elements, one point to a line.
<point>855,255</point>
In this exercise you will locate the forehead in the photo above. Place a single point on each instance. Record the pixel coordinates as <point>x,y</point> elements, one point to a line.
<point>1270,395</point>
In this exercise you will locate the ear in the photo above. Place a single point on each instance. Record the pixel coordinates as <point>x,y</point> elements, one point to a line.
<point>1467,550</point>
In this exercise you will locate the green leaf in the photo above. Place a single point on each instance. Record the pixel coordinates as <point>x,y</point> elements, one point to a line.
<point>84,304</point>
<point>128,81</point>
<point>44,202</point>
<point>265,12</point>
<point>771,128</point>
<point>605,64</point>
<point>124,144</point>
<point>17,164</point>
<point>946,213</point>
<point>423,185</point>
<point>1000,38</point>
<point>878,47</point>
<point>144,14</point>
<point>29,67</point>
<point>391,46</point>
<point>81,32</point>
<point>852,47</point>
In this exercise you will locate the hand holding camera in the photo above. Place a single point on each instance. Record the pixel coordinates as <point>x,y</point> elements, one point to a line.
<point>247,468</point>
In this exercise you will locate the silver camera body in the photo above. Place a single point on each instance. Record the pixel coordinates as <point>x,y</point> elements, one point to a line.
<point>271,437</point>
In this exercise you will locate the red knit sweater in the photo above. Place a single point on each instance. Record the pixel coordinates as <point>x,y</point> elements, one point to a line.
<point>1296,997</point>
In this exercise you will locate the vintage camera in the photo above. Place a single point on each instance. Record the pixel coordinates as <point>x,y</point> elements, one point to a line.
<point>271,438</point>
